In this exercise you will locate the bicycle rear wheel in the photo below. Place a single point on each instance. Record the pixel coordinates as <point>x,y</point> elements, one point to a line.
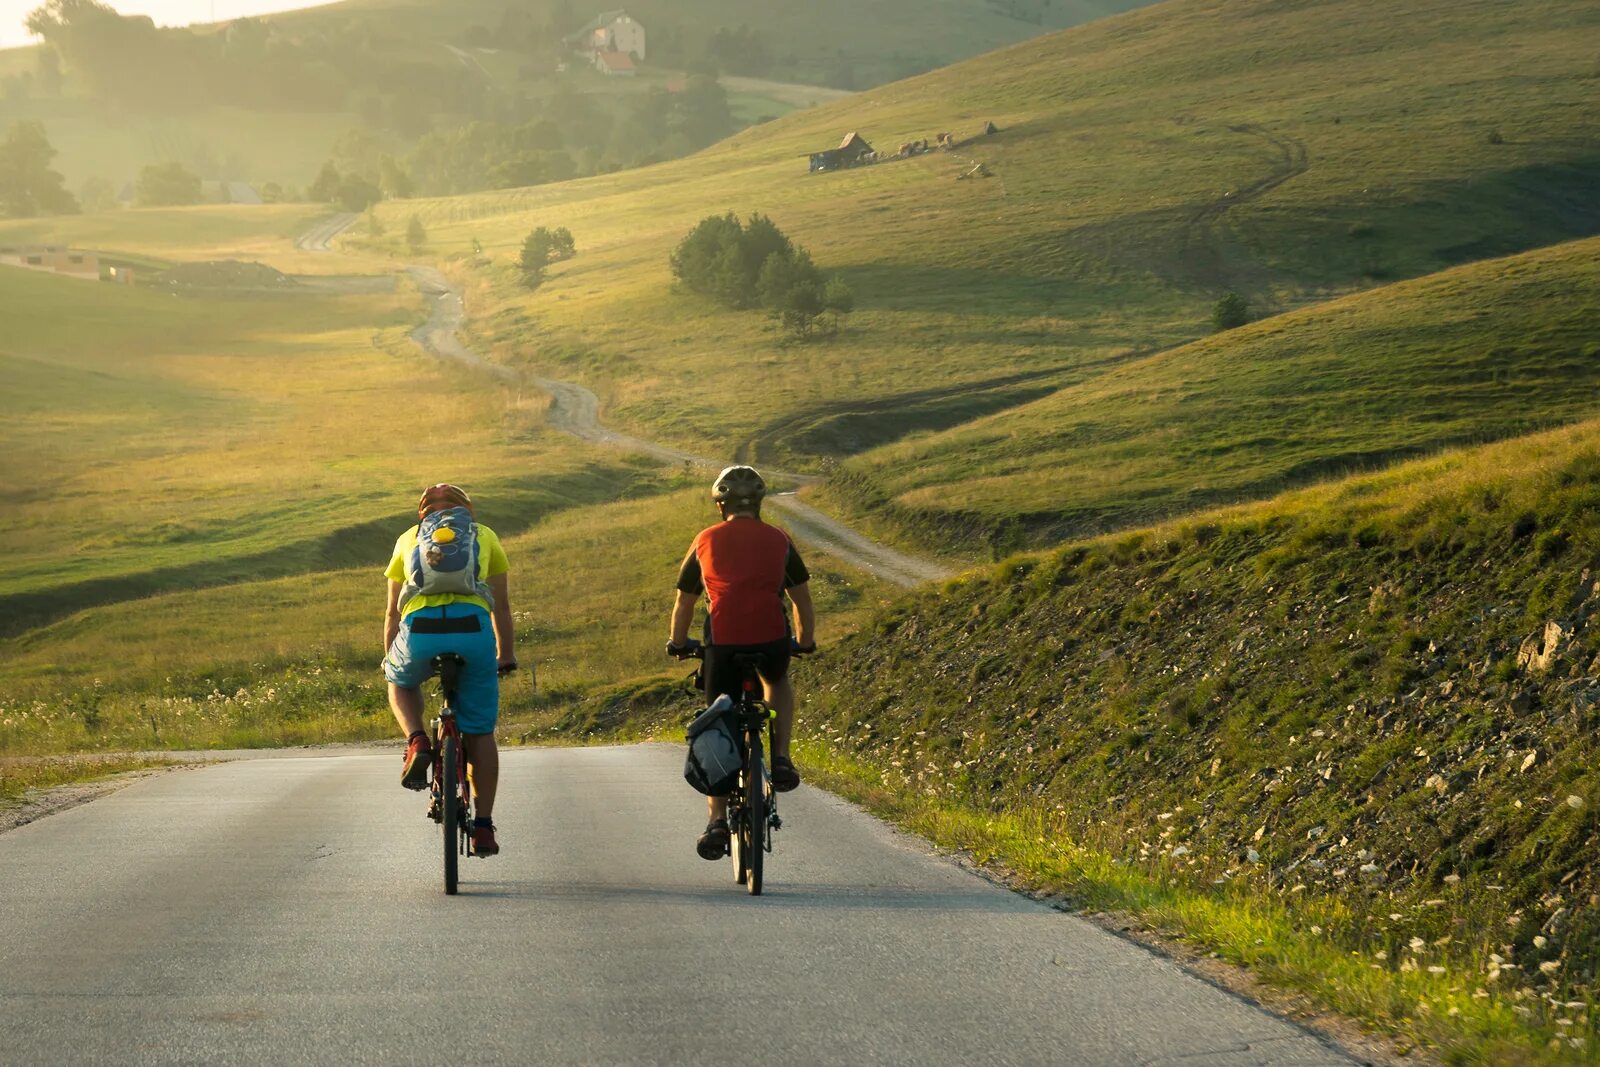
<point>450,799</point>
<point>756,824</point>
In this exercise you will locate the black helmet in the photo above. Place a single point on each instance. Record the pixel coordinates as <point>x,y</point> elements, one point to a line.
<point>738,486</point>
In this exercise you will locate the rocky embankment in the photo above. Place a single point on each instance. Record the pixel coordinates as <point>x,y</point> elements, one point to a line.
<point>1378,699</point>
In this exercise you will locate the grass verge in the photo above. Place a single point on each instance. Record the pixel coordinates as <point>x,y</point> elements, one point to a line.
<point>1287,945</point>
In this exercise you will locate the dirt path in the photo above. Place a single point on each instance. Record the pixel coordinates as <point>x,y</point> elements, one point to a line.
<point>576,410</point>
<point>320,236</point>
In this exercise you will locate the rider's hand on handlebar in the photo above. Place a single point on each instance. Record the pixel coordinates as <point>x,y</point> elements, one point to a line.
<point>691,647</point>
<point>506,666</point>
<point>797,649</point>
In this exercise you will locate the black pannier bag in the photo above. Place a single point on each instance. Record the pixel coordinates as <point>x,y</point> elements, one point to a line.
<point>713,763</point>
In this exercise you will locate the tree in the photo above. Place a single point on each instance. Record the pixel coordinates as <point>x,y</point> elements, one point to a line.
<point>97,194</point>
<point>801,308</point>
<point>561,243</point>
<point>374,224</point>
<point>167,185</point>
<point>838,299</point>
<point>357,193</point>
<point>1230,311</point>
<point>326,188</point>
<point>416,236</point>
<point>28,186</point>
<point>535,257</point>
<point>393,179</point>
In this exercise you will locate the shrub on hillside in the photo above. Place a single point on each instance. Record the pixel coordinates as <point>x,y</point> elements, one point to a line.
<point>541,248</point>
<point>416,236</point>
<point>1230,311</point>
<point>754,264</point>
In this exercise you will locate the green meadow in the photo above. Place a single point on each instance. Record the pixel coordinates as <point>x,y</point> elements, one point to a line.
<point>1145,163</point>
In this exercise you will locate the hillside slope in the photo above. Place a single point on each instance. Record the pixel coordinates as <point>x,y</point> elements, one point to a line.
<point>1373,704</point>
<point>1145,162</point>
<point>1484,351</point>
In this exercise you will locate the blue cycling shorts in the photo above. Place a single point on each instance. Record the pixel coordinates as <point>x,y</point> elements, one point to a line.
<point>407,664</point>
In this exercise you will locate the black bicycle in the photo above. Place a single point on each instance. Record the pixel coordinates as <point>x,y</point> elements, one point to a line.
<point>452,789</point>
<point>752,803</point>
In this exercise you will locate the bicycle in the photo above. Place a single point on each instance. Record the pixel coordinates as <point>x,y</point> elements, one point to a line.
<point>752,803</point>
<point>452,789</point>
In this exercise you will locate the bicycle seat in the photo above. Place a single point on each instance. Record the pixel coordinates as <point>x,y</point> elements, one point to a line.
<point>448,666</point>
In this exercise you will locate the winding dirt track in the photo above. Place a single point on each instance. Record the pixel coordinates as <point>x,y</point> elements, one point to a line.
<point>576,410</point>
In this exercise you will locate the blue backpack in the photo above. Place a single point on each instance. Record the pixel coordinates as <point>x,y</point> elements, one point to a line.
<point>445,559</point>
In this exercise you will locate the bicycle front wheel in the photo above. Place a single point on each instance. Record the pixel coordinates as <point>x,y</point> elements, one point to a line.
<point>450,800</point>
<point>755,824</point>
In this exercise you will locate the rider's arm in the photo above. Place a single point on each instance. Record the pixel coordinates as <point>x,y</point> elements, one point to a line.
<point>805,615</point>
<point>391,616</point>
<point>682,616</point>
<point>505,630</point>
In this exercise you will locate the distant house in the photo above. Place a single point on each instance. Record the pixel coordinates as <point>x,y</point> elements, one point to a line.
<point>852,150</point>
<point>610,31</point>
<point>54,259</point>
<point>616,64</point>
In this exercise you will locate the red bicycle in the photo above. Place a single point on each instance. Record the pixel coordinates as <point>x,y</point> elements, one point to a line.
<point>452,789</point>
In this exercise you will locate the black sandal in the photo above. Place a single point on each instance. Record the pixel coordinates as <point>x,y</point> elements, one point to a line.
<point>784,775</point>
<point>713,844</point>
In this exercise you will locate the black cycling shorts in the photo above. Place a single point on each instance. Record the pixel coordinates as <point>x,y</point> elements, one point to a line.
<point>723,675</point>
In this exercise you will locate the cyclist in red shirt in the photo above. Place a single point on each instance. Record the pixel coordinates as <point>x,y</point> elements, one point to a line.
<point>745,567</point>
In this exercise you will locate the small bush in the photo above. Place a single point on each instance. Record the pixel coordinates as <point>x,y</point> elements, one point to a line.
<point>1495,137</point>
<point>1229,312</point>
<point>416,236</point>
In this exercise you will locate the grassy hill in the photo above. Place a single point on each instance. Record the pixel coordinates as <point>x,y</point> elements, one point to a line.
<point>478,54</point>
<point>1145,163</point>
<point>1479,352</point>
<point>1346,736</point>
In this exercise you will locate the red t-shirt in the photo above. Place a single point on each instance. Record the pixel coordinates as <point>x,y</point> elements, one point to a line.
<point>743,566</point>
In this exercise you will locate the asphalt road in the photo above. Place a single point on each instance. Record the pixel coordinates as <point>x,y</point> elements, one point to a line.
<point>290,911</point>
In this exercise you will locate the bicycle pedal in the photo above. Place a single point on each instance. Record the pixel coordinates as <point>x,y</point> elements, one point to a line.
<point>776,823</point>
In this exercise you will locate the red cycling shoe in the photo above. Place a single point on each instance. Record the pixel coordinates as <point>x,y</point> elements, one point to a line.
<point>419,757</point>
<point>483,842</point>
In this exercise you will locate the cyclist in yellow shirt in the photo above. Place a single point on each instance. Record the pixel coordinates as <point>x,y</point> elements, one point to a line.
<point>476,626</point>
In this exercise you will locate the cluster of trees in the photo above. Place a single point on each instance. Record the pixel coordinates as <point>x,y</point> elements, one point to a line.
<point>541,248</point>
<point>129,62</point>
<point>754,264</point>
<point>28,185</point>
<point>167,185</point>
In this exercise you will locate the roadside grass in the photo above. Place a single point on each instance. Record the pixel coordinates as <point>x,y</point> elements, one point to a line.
<point>1478,353</point>
<point>19,777</point>
<point>1282,944</point>
<point>295,660</point>
<point>1133,181</point>
<point>1355,722</point>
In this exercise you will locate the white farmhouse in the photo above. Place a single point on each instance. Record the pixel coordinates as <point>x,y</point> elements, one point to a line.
<point>611,31</point>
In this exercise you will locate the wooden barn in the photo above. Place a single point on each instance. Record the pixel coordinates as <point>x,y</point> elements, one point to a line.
<point>852,150</point>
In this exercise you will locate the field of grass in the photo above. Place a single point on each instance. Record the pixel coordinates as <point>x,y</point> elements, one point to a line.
<point>176,442</point>
<point>1146,162</point>
<point>1346,736</point>
<point>223,476</point>
<point>1485,351</point>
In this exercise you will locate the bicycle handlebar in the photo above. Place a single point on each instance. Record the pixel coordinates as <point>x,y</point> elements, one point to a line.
<point>696,650</point>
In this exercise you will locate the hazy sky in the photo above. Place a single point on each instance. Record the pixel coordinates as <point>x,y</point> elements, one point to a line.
<point>165,12</point>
